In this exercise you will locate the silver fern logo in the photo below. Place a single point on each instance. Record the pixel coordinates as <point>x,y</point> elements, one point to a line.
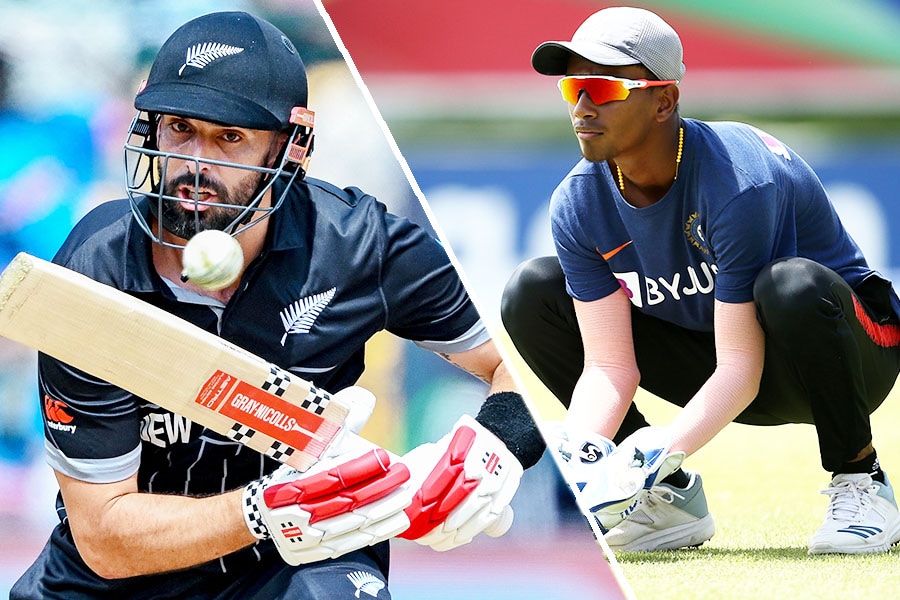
<point>365,582</point>
<point>200,55</point>
<point>300,316</point>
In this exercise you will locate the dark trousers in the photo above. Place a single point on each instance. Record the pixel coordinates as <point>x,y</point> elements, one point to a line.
<point>59,573</point>
<point>832,353</point>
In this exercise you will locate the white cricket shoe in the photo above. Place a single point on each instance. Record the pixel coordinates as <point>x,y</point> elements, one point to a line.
<point>665,518</point>
<point>862,517</point>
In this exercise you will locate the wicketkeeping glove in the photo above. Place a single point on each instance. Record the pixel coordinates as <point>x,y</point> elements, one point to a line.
<point>642,459</point>
<point>577,451</point>
<point>608,480</point>
<point>462,486</point>
<point>577,454</point>
<point>346,501</point>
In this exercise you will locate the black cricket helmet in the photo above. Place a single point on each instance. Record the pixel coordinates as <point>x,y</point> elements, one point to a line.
<point>228,68</point>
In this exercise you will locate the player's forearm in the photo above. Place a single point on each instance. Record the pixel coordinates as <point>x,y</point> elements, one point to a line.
<point>140,534</point>
<point>740,355</point>
<point>501,380</point>
<point>601,398</point>
<point>721,399</point>
<point>610,377</point>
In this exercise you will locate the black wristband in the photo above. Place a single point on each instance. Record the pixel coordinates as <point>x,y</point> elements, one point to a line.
<point>505,415</point>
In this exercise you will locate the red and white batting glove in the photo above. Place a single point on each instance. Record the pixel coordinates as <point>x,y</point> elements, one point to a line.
<point>439,494</point>
<point>354,497</point>
<point>348,505</point>
<point>462,485</point>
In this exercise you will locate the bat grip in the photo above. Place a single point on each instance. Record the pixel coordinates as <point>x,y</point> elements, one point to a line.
<point>360,403</point>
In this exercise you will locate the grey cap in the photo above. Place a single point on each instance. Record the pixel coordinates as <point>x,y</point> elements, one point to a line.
<point>616,37</point>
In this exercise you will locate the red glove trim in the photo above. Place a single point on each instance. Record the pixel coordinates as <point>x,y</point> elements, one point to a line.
<point>342,488</point>
<point>444,489</point>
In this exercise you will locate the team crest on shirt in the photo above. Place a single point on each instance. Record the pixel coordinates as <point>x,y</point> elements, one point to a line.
<point>693,229</point>
<point>300,316</point>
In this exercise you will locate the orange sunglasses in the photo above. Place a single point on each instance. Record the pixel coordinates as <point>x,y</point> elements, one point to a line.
<point>603,88</point>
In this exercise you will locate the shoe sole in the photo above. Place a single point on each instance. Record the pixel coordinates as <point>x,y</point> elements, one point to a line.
<point>688,535</point>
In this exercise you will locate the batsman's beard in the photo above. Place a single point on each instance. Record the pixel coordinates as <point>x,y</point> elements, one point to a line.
<point>184,222</point>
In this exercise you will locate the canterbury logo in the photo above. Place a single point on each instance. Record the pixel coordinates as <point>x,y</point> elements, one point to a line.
<point>56,410</point>
<point>300,316</point>
<point>365,582</point>
<point>200,55</point>
<point>57,417</point>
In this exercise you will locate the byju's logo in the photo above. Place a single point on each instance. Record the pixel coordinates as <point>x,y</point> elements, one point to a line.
<point>646,291</point>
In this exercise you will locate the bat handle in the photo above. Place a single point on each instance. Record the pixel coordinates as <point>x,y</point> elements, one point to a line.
<point>360,403</point>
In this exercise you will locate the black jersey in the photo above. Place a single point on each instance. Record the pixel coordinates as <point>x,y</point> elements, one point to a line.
<point>335,256</point>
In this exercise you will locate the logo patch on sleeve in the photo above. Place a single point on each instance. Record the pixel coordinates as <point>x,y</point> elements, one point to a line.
<point>57,417</point>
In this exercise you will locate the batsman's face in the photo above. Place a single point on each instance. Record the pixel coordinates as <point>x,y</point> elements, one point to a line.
<point>208,190</point>
<point>605,131</point>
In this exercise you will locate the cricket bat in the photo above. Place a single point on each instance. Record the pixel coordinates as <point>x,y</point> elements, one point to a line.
<point>167,361</point>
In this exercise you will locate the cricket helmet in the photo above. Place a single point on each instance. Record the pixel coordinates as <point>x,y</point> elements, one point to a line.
<point>228,68</point>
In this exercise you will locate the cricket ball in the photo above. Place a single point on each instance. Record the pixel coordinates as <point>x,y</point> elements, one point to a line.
<point>212,259</point>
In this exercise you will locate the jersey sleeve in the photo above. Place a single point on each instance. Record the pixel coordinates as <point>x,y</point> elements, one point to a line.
<point>588,276</point>
<point>91,428</point>
<point>424,296</point>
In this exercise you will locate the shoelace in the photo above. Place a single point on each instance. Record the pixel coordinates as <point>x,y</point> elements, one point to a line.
<point>659,493</point>
<point>850,500</point>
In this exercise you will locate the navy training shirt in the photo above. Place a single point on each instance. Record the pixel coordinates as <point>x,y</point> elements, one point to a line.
<point>742,200</point>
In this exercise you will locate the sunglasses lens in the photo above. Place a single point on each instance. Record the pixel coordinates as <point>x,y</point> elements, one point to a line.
<point>600,90</point>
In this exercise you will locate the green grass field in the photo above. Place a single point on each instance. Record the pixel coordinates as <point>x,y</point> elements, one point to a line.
<point>762,486</point>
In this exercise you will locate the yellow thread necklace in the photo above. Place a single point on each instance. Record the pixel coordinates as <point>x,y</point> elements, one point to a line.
<point>677,160</point>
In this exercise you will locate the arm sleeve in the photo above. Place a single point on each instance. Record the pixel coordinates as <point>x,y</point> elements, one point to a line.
<point>91,428</point>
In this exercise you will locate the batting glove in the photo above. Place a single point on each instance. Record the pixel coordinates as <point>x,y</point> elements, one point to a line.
<point>463,485</point>
<point>350,499</point>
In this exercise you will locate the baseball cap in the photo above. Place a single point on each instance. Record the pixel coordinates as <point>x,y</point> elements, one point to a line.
<point>617,36</point>
<point>230,68</point>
